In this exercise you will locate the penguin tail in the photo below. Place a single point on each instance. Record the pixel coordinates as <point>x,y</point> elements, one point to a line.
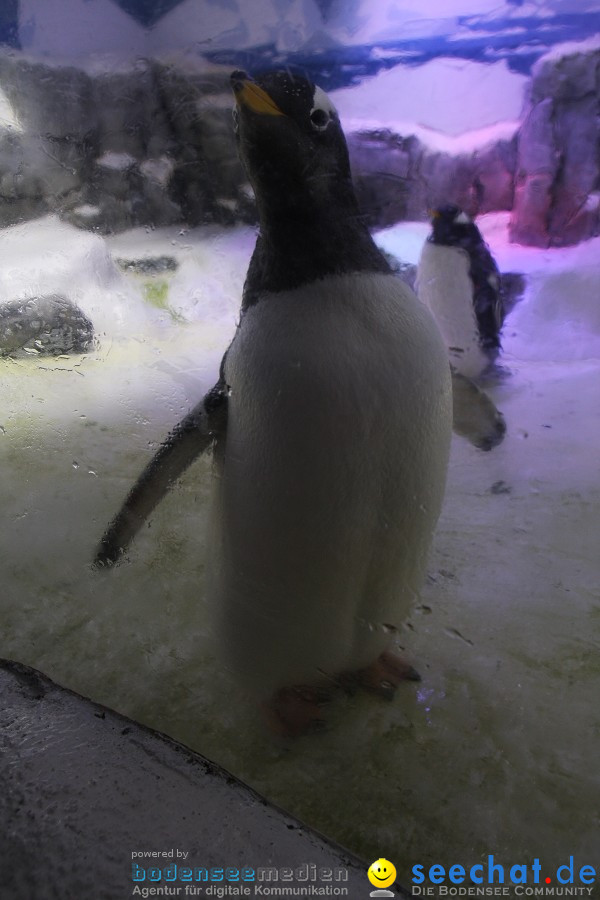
<point>196,433</point>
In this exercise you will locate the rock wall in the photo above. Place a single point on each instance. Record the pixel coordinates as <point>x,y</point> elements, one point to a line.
<point>143,144</point>
<point>548,175</point>
<point>151,143</point>
<point>401,178</point>
<point>557,178</point>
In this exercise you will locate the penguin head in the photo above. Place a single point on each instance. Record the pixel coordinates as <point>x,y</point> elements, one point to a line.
<point>290,142</point>
<point>454,228</point>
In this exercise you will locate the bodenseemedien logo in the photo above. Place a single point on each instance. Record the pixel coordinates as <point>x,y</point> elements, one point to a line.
<point>183,879</point>
<point>494,879</point>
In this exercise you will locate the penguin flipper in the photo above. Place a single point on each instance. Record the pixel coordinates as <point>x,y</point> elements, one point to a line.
<point>474,415</point>
<point>487,297</point>
<point>199,430</point>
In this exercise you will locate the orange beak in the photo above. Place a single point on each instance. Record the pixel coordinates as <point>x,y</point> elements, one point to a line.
<point>249,94</point>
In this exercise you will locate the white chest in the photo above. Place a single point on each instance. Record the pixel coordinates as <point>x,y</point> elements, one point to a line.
<point>444,286</point>
<point>332,479</point>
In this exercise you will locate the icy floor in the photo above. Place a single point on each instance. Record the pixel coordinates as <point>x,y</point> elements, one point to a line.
<point>496,750</point>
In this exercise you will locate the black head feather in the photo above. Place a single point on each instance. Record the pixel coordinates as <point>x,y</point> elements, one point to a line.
<point>293,149</point>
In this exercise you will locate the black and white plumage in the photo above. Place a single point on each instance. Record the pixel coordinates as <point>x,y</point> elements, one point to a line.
<point>459,281</point>
<point>330,421</point>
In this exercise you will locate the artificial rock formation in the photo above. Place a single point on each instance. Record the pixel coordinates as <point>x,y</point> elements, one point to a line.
<point>48,325</point>
<point>400,178</point>
<point>150,142</point>
<point>112,147</point>
<point>557,179</point>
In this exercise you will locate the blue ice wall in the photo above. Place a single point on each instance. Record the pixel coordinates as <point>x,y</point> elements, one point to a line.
<point>147,12</point>
<point>517,40</point>
<point>9,23</point>
<point>338,43</point>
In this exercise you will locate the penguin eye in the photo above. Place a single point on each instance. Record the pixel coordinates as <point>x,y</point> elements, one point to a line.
<point>319,118</point>
<point>236,119</point>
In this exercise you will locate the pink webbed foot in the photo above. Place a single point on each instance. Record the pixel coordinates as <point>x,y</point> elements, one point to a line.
<point>295,711</point>
<point>383,676</point>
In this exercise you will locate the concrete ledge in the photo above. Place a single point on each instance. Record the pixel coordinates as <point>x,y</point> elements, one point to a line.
<point>83,788</point>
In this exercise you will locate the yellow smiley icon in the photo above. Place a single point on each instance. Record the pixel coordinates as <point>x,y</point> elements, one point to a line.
<point>381,873</point>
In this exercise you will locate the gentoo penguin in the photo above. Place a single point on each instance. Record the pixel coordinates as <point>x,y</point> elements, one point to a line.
<point>330,427</point>
<point>460,283</point>
<point>474,415</point>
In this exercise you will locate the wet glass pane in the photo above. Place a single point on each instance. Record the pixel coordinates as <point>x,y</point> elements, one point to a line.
<point>291,559</point>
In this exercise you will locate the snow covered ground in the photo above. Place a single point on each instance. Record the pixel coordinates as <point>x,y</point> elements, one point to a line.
<point>495,751</point>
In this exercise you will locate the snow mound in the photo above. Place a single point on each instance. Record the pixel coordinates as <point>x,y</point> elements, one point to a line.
<point>47,256</point>
<point>448,95</point>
